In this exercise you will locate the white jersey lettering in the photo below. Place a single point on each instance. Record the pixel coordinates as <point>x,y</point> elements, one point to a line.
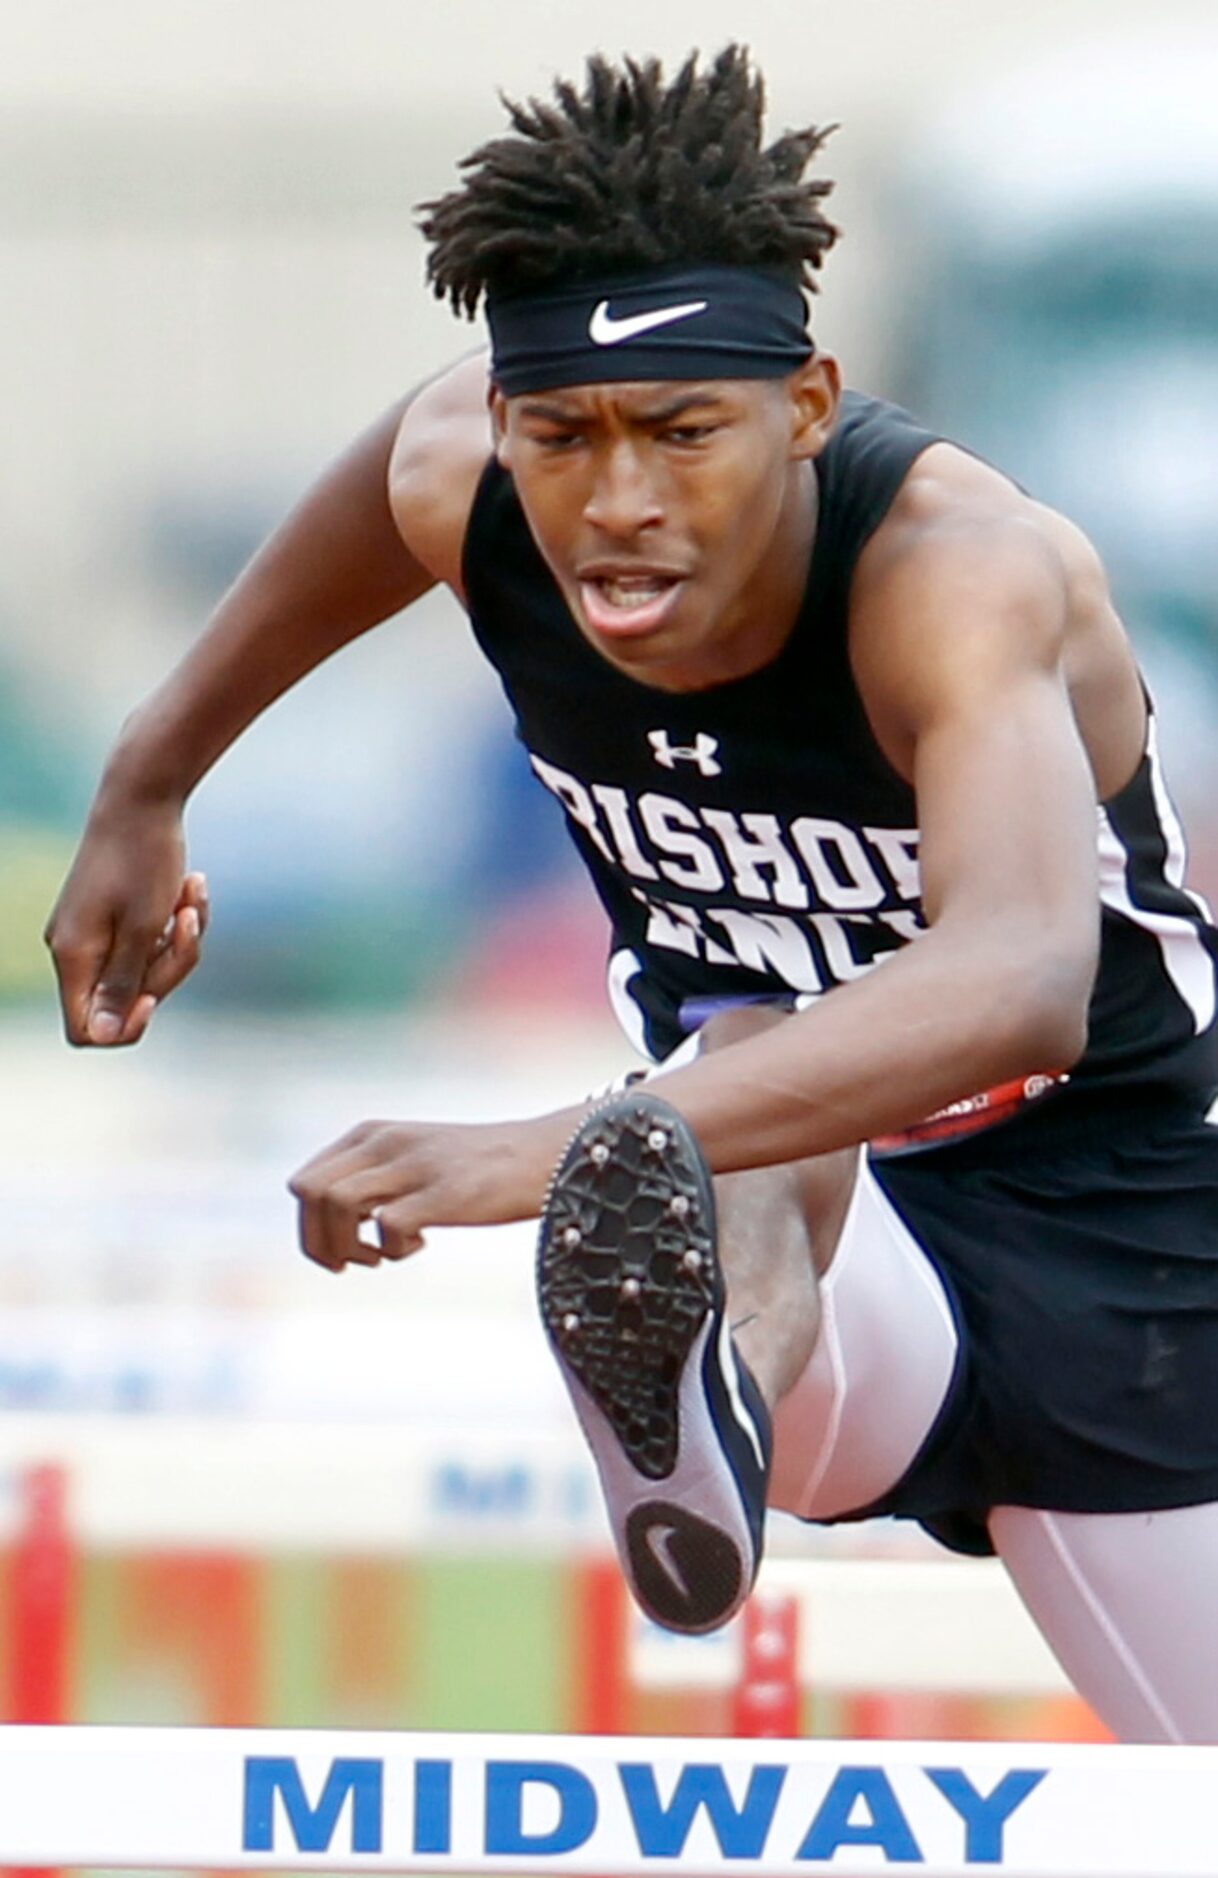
<point>837,862</point>
<point>898,849</point>
<point>666,823</point>
<point>616,806</point>
<point>751,843</point>
<point>833,931</point>
<point>770,942</point>
<point>575,799</point>
<point>904,922</point>
<point>679,929</point>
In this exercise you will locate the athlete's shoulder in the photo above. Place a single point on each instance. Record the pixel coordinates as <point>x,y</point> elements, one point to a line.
<point>961,564</point>
<point>952,503</point>
<point>441,451</point>
<point>948,488</point>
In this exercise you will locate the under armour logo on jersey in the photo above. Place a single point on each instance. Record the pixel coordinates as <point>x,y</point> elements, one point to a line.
<point>701,751</point>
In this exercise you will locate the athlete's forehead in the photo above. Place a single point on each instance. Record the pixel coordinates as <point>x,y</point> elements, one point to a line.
<point>647,401</point>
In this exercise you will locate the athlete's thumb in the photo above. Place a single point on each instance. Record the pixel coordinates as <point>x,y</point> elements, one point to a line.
<point>118,985</point>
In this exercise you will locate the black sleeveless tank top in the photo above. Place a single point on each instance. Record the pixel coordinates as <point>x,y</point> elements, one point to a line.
<point>751,841</point>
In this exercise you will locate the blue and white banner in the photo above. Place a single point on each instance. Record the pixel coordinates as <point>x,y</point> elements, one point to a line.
<point>305,1800</point>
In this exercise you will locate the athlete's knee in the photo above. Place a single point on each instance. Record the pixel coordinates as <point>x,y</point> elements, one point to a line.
<point>809,1199</point>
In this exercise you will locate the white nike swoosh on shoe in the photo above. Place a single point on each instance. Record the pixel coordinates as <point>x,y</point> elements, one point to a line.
<point>604,330</point>
<point>658,1539</point>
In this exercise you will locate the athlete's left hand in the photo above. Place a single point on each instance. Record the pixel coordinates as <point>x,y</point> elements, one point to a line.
<point>403,1177</point>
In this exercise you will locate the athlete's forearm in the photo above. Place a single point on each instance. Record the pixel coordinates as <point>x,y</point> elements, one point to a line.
<point>934,1024</point>
<point>334,568</point>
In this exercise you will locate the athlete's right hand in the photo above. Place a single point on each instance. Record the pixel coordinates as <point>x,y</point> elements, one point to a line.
<point>128,923</point>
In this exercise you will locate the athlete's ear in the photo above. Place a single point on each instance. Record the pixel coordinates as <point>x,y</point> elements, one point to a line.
<point>815,391</point>
<point>497,404</point>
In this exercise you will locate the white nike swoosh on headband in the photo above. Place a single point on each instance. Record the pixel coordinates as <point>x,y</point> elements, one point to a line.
<point>604,330</point>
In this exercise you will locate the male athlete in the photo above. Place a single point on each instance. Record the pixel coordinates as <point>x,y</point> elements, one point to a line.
<point>852,743</point>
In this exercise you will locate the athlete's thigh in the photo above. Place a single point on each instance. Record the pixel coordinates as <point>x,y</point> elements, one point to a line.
<point>880,1373</point>
<point>1128,1602</point>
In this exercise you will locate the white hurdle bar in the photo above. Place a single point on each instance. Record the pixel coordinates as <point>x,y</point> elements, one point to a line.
<point>312,1800</point>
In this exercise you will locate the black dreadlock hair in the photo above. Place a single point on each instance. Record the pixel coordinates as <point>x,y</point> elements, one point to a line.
<point>630,173</point>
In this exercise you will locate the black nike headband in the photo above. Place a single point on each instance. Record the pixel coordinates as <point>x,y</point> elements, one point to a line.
<point>698,321</point>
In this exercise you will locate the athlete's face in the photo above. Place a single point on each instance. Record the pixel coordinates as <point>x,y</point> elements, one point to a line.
<point>677,518</point>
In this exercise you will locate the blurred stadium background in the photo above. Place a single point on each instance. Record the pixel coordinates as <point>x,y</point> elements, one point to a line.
<point>211,281</point>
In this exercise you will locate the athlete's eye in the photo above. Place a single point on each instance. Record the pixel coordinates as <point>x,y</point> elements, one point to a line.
<point>556,439</point>
<point>688,433</point>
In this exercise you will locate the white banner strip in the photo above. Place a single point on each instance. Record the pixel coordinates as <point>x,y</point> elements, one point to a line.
<point>879,1624</point>
<point>249,1799</point>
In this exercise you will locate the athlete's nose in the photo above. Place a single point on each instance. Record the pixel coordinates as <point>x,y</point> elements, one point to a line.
<point>624,499</point>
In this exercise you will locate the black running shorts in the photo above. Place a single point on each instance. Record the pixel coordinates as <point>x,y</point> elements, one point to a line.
<point>1080,1253</point>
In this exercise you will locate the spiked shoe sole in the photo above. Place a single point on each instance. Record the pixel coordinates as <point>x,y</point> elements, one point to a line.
<point>632,1300</point>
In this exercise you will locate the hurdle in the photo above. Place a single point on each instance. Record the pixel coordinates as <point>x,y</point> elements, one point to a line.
<point>876,1642</point>
<point>295,1800</point>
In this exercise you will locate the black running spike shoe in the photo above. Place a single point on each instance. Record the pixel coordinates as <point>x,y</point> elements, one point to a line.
<point>633,1302</point>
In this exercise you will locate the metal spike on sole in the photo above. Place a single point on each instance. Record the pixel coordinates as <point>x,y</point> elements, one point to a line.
<point>641,1276</point>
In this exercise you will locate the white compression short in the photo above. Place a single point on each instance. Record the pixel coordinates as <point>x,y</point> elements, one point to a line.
<point>1126,1601</point>
<point>887,1336</point>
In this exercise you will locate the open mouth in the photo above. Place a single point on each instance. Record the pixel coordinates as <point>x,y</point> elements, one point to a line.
<point>621,604</point>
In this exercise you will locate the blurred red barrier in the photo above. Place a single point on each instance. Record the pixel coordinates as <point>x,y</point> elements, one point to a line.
<point>599,1706</point>
<point>766,1700</point>
<point>40,1606</point>
<point>41,1598</point>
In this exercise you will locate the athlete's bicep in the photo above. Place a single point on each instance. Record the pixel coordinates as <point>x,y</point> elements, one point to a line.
<point>972,683</point>
<point>1007,812</point>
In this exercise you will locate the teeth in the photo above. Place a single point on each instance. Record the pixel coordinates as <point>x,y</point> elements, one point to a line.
<point>633,593</point>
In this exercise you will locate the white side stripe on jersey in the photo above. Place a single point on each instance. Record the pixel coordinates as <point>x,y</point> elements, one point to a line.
<point>1173,833</point>
<point>623,966</point>
<point>1185,958</point>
